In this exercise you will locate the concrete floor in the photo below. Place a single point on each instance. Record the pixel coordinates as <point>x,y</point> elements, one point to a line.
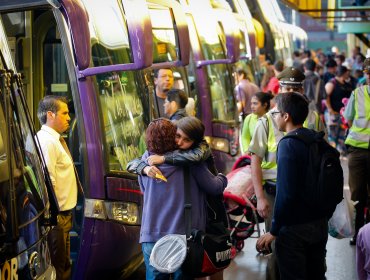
<point>249,265</point>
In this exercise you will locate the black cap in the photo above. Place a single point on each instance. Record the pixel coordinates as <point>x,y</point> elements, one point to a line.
<point>366,65</point>
<point>291,76</point>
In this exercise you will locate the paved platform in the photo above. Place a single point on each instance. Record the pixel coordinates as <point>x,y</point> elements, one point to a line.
<point>250,265</point>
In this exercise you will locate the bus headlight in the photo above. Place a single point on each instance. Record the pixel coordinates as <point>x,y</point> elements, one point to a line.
<point>218,144</point>
<point>95,208</point>
<point>123,212</point>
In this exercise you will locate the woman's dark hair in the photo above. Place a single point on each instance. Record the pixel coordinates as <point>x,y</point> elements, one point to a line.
<point>341,70</point>
<point>264,98</point>
<point>160,136</point>
<point>193,128</point>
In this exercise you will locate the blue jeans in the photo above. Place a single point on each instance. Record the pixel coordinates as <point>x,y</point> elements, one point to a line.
<point>151,273</point>
<point>301,251</point>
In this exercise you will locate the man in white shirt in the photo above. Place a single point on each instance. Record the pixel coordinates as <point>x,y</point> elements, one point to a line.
<point>54,116</point>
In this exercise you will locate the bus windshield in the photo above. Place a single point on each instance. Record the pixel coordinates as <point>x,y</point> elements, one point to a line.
<point>123,105</point>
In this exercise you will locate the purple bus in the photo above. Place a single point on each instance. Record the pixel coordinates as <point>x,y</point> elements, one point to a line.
<point>101,56</point>
<point>94,52</point>
<point>214,48</point>
<point>27,204</point>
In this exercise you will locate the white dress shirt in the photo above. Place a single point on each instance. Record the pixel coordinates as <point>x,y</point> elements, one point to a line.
<point>60,167</point>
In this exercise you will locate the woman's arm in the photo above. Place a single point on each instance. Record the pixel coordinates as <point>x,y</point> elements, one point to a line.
<point>183,157</point>
<point>141,167</point>
<point>329,88</point>
<point>209,183</point>
<point>136,166</point>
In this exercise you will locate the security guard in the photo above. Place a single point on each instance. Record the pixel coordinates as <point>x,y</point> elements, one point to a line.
<point>357,113</point>
<point>291,79</point>
<point>263,152</point>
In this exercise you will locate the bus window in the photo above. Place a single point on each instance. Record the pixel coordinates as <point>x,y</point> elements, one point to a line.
<point>164,41</point>
<point>56,80</point>
<point>108,32</point>
<point>123,106</point>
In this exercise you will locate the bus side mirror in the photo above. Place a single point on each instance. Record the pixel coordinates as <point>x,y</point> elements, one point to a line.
<point>140,32</point>
<point>230,28</point>
<point>77,19</point>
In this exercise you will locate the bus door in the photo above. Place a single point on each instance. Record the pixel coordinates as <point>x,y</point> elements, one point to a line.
<point>213,75</point>
<point>27,203</point>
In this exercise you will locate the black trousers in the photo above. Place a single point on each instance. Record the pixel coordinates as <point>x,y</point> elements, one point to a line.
<point>359,181</point>
<point>301,251</point>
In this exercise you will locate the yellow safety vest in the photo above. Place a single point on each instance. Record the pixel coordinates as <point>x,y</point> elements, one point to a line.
<point>274,136</point>
<point>359,133</point>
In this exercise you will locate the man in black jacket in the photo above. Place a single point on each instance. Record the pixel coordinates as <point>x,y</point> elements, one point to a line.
<point>174,105</point>
<point>300,234</point>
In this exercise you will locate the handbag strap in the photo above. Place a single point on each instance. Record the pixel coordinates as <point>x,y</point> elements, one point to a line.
<point>187,202</point>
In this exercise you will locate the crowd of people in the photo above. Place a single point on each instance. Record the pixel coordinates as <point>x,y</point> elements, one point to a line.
<point>336,90</point>
<point>321,93</point>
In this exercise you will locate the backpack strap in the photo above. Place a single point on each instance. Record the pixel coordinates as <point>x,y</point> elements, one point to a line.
<point>187,201</point>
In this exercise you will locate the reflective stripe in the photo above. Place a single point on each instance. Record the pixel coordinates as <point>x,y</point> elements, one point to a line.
<point>271,156</point>
<point>360,136</point>
<point>269,174</point>
<point>363,123</point>
<point>359,133</point>
<point>274,136</point>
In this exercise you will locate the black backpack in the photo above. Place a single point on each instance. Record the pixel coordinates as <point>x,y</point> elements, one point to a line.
<point>323,188</point>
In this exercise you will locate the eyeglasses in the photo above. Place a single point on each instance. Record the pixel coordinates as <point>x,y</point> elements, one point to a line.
<point>273,114</point>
